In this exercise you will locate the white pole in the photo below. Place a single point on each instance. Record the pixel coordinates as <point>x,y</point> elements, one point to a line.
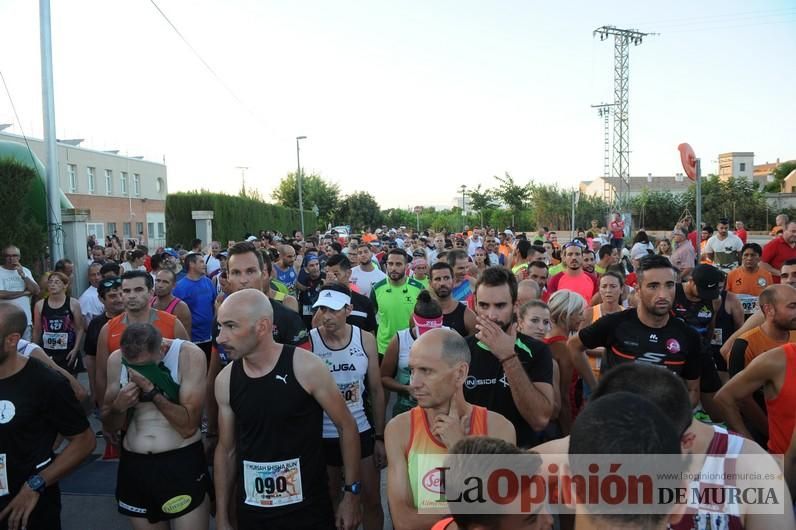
<point>48,104</point>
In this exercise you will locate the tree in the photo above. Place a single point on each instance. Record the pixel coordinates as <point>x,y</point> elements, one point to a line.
<point>360,210</point>
<point>316,191</point>
<point>780,174</point>
<point>481,201</point>
<point>513,195</point>
<point>18,225</point>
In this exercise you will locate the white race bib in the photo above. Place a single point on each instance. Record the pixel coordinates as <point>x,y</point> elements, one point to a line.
<point>718,335</point>
<point>350,392</point>
<point>306,310</point>
<point>748,302</point>
<point>3,475</point>
<point>270,484</point>
<point>55,341</point>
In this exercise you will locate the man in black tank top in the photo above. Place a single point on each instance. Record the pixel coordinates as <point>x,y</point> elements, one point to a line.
<point>271,400</point>
<point>455,315</point>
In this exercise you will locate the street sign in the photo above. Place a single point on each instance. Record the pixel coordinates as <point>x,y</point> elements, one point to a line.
<point>418,209</point>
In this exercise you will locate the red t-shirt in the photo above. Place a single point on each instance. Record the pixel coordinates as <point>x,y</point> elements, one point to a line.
<point>741,235</point>
<point>617,229</point>
<point>584,284</point>
<point>776,252</point>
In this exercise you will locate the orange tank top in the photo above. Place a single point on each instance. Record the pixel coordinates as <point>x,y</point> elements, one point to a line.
<point>160,319</point>
<point>781,413</point>
<point>425,454</point>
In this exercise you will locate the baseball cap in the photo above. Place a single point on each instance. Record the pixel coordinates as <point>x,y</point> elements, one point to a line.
<point>311,257</point>
<point>638,252</point>
<point>334,300</point>
<point>251,238</point>
<point>171,252</point>
<point>707,279</point>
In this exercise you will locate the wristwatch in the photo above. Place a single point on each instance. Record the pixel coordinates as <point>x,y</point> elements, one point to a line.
<point>37,483</point>
<point>354,488</point>
<point>149,396</point>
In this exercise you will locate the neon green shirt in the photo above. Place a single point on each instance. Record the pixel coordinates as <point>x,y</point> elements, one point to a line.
<point>394,306</point>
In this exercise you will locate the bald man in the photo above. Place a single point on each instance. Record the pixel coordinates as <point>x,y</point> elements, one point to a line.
<point>527,290</point>
<point>417,440</point>
<point>270,418</point>
<point>286,269</point>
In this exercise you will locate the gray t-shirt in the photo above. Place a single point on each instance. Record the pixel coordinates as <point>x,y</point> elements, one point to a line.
<point>10,280</point>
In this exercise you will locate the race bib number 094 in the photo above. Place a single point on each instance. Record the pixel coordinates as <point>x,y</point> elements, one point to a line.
<point>270,484</point>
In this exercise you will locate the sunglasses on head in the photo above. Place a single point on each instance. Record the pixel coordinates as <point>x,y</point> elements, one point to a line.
<point>110,283</point>
<point>574,244</point>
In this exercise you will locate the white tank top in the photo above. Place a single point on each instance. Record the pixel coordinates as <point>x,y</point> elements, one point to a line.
<point>171,360</point>
<point>405,341</point>
<point>25,348</point>
<point>348,366</point>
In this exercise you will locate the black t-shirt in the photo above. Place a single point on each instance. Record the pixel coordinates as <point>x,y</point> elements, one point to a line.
<point>36,404</point>
<point>626,339</point>
<point>92,334</point>
<point>362,314</point>
<point>487,385</point>
<point>288,328</point>
<point>697,314</point>
<point>309,296</point>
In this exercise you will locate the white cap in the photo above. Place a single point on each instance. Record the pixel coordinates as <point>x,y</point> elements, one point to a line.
<point>638,252</point>
<point>251,238</point>
<point>332,299</point>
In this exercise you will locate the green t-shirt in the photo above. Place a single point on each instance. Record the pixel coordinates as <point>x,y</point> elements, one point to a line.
<point>394,306</point>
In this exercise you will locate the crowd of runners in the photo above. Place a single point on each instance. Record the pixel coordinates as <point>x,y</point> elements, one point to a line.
<point>275,382</point>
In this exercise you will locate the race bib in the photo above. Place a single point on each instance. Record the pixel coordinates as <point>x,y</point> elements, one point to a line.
<point>55,341</point>
<point>350,392</point>
<point>306,310</point>
<point>718,335</point>
<point>271,484</point>
<point>748,302</point>
<point>3,475</point>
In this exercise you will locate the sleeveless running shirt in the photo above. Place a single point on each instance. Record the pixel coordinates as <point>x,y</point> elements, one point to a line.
<point>169,308</point>
<point>781,414</point>
<point>455,320</point>
<point>723,452</point>
<point>278,427</point>
<point>349,366</point>
<point>160,319</point>
<point>425,455</point>
<point>404,402</point>
<point>58,331</point>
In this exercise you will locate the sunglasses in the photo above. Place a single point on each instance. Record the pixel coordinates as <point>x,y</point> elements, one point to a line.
<point>111,283</point>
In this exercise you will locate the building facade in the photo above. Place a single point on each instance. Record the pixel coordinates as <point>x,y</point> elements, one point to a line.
<point>125,195</point>
<point>736,164</point>
<point>609,186</point>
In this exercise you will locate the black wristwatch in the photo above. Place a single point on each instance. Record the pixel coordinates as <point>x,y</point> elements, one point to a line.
<point>354,488</point>
<point>146,397</point>
<point>37,483</point>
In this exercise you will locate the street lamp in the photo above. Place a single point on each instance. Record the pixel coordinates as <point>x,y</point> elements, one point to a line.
<point>463,188</point>
<point>298,181</point>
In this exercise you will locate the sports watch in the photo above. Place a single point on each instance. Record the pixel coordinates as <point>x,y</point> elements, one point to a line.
<point>355,487</point>
<point>37,483</point>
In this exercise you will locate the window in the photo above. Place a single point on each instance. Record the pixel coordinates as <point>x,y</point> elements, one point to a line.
<point>108,182</point>
<point>136,184</point>
<point>123,183</point>
<point>742,166</point>
<point>159,185</point>
<point>111,228</point>
<point>139,229</point>
<point>92,184</point>
<point>97,230</point>
<point>71,170</point>
<point>151,230</point>
<point>161,230</point>
<point>126,228</point>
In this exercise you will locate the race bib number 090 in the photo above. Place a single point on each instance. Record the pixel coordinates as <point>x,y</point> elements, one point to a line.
<point>270,484</point>
<point>3,475</point>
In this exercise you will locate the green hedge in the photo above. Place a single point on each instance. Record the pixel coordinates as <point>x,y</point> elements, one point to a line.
<point>18,223</point>
<point>233,216</point>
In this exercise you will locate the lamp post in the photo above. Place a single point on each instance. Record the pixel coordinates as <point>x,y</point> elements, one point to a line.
<point>298,181</point>
<point>463,189</point>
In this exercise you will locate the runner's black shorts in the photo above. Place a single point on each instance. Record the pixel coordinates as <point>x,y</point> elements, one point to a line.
<point>47,513</point>
<point>334,456</point>
<point>316,515</point>
<point>709,381</point>
<point>162,486</point>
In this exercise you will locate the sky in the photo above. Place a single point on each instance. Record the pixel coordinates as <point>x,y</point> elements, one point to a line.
<point>405,100</point>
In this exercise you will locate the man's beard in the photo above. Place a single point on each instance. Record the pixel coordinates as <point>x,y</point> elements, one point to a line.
<point>442,292</point>
<point>395,276</point>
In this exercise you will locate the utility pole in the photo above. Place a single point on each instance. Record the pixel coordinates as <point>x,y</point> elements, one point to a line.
<point>242,179</point>
<point>604,111</point>
<point>622,40</point>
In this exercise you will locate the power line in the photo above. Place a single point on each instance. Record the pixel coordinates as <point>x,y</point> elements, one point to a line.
<point>719,17</point>
<point>207,65</point>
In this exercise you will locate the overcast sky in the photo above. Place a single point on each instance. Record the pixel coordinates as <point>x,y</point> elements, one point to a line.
<point>407,100</point>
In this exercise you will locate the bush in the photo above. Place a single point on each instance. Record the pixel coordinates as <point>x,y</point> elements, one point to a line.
<point>233,216</point>
<point>18,224</point>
